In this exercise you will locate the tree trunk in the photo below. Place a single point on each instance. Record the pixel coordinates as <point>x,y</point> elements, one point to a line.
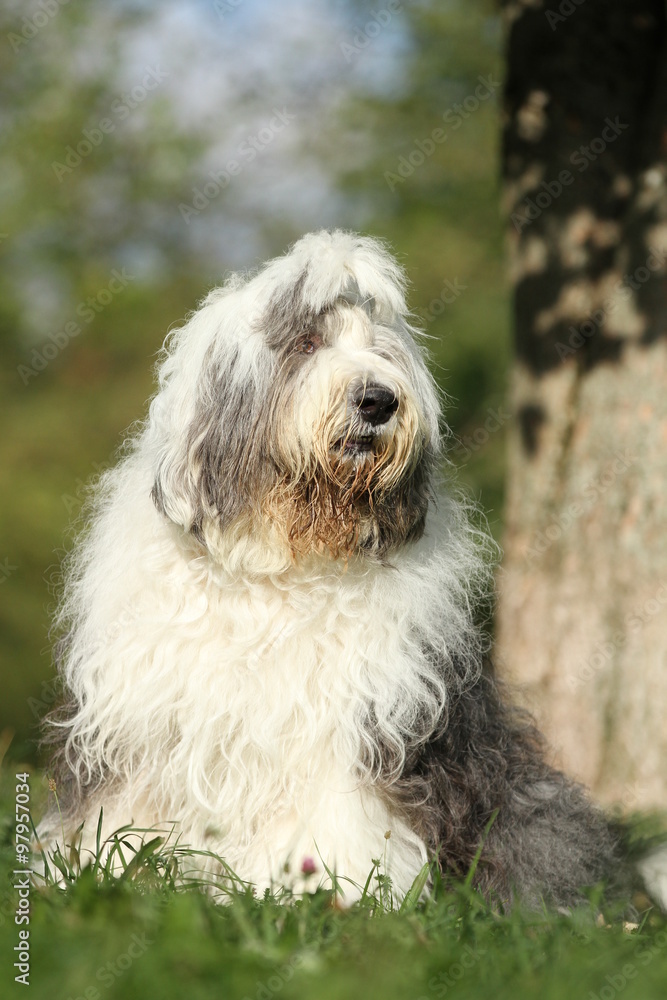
<point>582,604</point>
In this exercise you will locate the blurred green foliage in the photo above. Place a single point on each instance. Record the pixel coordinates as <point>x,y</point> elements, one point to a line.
<point>64,233</point>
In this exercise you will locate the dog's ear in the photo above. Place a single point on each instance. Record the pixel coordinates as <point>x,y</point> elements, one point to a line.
<point>180,489</point>
<point>211,461</point>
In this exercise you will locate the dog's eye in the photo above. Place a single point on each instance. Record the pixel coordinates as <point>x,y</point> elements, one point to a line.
<point>309,343</point>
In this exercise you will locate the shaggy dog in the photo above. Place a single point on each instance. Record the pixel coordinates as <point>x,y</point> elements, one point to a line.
<point>268,627</point>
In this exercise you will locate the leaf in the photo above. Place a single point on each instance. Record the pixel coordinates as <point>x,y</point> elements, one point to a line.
<point>98,841</point>
<point>145,852</point>
<point>478,853</point>
<point>414,893</point>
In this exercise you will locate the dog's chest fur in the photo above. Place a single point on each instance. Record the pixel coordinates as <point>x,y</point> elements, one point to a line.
<point>270,699</point>
<point>278,714</point>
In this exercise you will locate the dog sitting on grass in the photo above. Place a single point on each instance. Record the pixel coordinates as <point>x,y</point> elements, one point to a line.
<point>268,626</point>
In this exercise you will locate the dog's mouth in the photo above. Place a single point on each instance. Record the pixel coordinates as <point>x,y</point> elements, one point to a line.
<point>361,444</point>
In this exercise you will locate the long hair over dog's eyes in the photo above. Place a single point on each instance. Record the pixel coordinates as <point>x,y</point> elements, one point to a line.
<point>309,343</point>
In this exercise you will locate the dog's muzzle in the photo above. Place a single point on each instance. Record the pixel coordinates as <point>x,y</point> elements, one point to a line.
<point>372,407</point>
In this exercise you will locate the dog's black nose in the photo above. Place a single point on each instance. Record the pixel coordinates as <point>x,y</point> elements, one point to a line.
<point>375,403</point>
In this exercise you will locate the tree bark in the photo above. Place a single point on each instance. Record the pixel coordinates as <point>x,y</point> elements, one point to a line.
<point>582,602</point>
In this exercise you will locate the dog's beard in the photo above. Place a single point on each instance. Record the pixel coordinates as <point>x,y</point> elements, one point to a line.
<point>357,489</point>
<point>323,511</point>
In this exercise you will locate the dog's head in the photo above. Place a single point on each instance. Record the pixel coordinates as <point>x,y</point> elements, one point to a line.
<point>297,403</point>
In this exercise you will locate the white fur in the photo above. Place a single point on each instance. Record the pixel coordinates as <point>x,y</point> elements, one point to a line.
<point>225,688</point>
<point>653,869</point>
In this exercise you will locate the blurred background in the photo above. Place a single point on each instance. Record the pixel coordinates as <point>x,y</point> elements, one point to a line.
<point>118,213</point>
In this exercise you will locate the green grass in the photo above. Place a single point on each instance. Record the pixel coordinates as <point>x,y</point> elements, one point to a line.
<point>139,935</point>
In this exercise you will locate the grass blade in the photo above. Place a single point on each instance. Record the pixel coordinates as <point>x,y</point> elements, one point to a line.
<point>414,893</point>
